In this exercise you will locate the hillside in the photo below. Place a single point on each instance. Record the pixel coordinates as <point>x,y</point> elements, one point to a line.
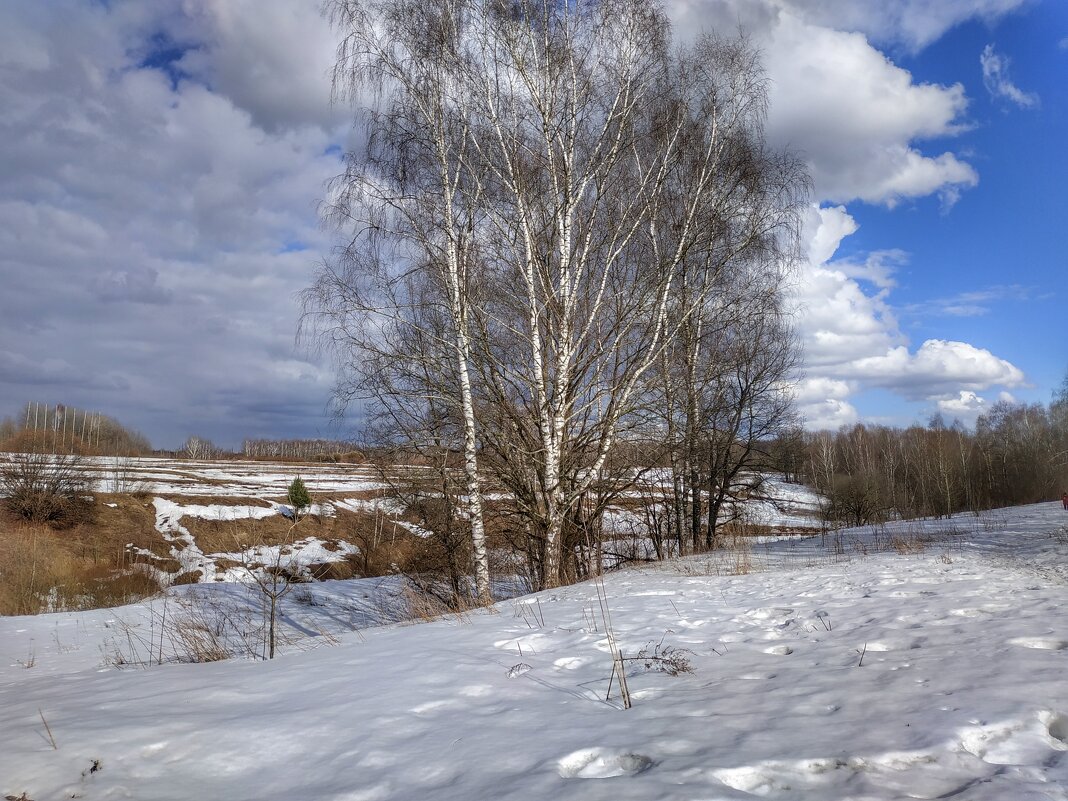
<point>921,660</point>
<point>151,523</point>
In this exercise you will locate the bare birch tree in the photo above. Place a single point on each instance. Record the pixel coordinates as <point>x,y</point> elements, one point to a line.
<point>543,177</point>
<point>399,197</point>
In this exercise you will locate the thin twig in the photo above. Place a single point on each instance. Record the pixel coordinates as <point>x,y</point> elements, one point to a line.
<point>48,729</point>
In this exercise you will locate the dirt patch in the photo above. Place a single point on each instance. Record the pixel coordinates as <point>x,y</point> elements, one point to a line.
<point>229,536</point>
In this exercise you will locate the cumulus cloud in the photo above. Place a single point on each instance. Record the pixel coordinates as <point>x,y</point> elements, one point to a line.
<point>998,83</point>
<point>838,321</point>
<point>272,58</point>
<point>856,117</point>
<point>937,367</point>
<point>912,23</point>
<point>143,217</point>
<point>823,405</point>
<point>853,341</point>
<point>966,406</point>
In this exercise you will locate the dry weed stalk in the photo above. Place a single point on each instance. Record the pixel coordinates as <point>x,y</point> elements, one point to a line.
<point>618,671</point>
<point>48,729</point>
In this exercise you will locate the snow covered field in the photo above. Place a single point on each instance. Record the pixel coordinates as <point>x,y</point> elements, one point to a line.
<point>229,478</point>
<point>863,667</point>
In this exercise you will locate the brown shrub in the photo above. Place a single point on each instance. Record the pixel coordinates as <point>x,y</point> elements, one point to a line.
<point>188,577</point>
<point>89,564</point>
<point>42,488</point>
<point>332,571</point>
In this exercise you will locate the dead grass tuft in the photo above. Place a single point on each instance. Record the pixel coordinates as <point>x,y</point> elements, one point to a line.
<point>188,577</point>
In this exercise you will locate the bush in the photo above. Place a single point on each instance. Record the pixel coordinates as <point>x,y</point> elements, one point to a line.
<point>46,489</point>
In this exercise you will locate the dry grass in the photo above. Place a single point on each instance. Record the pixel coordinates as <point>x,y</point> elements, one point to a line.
<point>228,536</point>
<point>39,571</point>
<point>908,544</point>
<point>424,604</point>
<point>735,556</point>
<point>87,566</point>
<point>189,628</point>
<point>103,562</point>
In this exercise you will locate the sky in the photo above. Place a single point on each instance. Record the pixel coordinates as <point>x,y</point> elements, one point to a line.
<point>163,161</point>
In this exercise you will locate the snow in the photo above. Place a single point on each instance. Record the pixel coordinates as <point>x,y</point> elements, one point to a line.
<point>242,478</point>
<point>170,510</point>
<point>389,506</point>
<point>296,556</point>
<point>779,504</point>
<point>921,659</point>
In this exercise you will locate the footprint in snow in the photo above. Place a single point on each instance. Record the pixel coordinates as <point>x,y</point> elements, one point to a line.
<point>1057,725</point>
<point>602,763</point>
<point>1041,643</point>
<point>570,662</point>
<point>1017,742</point>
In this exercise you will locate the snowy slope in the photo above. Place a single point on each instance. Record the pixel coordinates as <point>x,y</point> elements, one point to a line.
<point>858,667</point>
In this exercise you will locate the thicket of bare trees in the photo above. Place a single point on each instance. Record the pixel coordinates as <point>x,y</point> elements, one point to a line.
<point>1017,454</point>
<point>312,450</point>
<point>59,429</point>
<point>564,234</point>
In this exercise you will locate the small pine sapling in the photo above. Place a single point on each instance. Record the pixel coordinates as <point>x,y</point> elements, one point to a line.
<point>298,496</point>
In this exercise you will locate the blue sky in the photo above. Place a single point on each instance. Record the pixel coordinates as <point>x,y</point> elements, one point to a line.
<point>992,270</point>
<point>163,161</point>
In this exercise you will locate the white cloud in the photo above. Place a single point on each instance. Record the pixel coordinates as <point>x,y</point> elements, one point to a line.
<point>913,23</point>
<point>823,405</point>
<point>838,321</point>
<point>143,225</point>
<point>853,341</point>
<point>878,268</point>
<point>825,228</point>
<point>828,415</point>
<point>999,84</point>
<point>811,390</point>
<point>939,366</point>
<point>855,116</point>
<point>272,58</point>
<point>966,406</point>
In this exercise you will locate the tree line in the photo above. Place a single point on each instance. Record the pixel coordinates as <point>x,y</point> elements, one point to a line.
<point>1017,454</point>
<point>311,450</point>
<point>61,429</point>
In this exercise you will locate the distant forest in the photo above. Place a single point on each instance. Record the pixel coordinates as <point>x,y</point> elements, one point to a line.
<point>1017,454</point>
